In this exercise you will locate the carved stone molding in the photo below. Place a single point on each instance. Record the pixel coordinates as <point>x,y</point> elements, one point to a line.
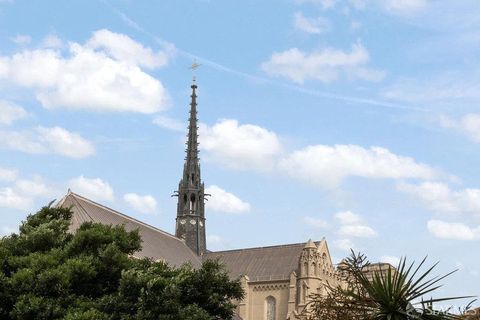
<point>270,287</point>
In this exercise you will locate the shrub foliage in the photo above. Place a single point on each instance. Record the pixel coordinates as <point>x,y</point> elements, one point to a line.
<point>47,272</point>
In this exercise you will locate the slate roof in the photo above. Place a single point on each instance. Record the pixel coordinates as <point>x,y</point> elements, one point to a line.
<point>157,244</point>
<point>263,263</point>
<point>259,264</point>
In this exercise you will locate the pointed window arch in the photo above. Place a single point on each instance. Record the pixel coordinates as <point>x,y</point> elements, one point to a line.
<point>304,292</point>
<point>270,308</point>
<point>192,203</point>
<point>305,268</point>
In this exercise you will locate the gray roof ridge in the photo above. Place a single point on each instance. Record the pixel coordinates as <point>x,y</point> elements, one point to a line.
<point>70,194</point>
<point>265,247</point>
<point>124,216</point>
<point>62,200</point>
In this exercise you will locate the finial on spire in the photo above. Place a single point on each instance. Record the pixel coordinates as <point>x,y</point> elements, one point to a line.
<point>194,67</point>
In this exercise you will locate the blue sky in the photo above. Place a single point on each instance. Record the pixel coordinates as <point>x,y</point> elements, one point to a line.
<point>354,120</point>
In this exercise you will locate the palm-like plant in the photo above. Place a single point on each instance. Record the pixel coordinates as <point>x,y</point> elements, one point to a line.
<point>385,294</point>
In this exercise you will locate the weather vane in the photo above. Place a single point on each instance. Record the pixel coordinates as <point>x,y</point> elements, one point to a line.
<point>194,67</point>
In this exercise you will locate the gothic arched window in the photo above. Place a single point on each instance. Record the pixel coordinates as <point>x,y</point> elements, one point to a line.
<point>192,203</point>
<point>304,292</point>
<point>185,200</point>
<point>270,308</point>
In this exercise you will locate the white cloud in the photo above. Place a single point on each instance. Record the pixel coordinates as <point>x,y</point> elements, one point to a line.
<point>42,140</point>
<point>315,222</point>
<point>224,201</point>
<point>325,65</point>
<point>252,147</point>
<point>142,204</point>
<point>213,239</point>
<point>404,6</point>
<point>453,231</point>
<point>66,143</point>
<point>24,141</point>
<point>11,199</point>
<point>310,25</point>
<point>327,166</point>
<point>240,146</point>
<point>393,260</point>
<point>348,217</point>
<point>216,242</point>
<point>169,123</point>
<point>469,125</point>
<point>344,244</point>
<point>35,187</point>
<point>358,231</point>
<point>7,174</point>
<point>440,198</point>
<point>10,112</point>
<point>52,41</point>
<point>22,39</point>
<point>124,48</point>
<point>352,225</point>
<point>103,75</point>
<point>23,192</point>
<point>95,189</point>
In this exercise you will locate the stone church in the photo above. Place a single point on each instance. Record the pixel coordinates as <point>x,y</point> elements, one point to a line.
<point>277,279</point>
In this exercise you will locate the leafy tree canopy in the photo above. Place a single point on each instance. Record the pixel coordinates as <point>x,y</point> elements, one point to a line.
<point>47,272</point>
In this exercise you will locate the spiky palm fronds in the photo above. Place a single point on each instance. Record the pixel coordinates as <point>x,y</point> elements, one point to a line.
<point>373,292</point>
<point>392,294</point>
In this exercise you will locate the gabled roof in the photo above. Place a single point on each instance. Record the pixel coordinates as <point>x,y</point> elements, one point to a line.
<point>157,244</point>
<point>259,264</point>
<point>263,263</point>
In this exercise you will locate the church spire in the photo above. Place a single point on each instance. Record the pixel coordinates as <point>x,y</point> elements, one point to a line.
<point>190,222</point>
<point>192,138</point>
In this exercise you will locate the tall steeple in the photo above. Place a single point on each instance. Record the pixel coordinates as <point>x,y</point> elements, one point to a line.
<point>190,222</point>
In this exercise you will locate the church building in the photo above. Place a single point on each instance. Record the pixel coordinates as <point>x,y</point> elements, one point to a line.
<point>277,279</point>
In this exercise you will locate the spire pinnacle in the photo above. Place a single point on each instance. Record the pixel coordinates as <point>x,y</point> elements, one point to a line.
<point>310,244</point>
<point>192,137</point>
<point>190,220</point>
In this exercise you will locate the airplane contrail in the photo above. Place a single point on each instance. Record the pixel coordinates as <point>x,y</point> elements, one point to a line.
<point>220,67</point>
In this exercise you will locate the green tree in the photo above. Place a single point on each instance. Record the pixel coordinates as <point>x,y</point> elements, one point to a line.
<point>380,294</point>
<point>47,272</point>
